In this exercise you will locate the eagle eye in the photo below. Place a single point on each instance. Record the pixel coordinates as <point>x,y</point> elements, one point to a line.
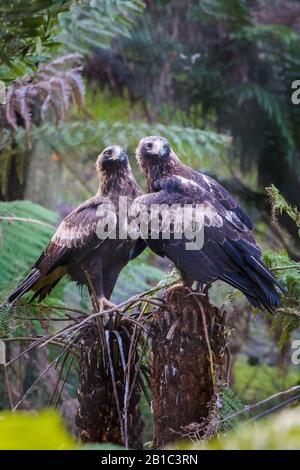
<point>108,153</point>
<point>149,145</point>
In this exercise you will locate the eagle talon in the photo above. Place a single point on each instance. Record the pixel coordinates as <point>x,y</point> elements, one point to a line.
<point>105,304</point>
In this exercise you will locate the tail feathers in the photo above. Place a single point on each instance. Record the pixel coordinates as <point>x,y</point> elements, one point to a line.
<point>24,286</point>
<point>252,277</point>
<point>39,283</point>
<point>258,266</point>
<point>260,291</point>
<point>43,291</point>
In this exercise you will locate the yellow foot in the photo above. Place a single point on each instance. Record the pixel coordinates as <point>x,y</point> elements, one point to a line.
<point>105,304</point>
<point>111,317</point>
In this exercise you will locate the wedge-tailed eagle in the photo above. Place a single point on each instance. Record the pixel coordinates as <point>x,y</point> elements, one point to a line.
<point>76,250</point>
<point>229,251</point>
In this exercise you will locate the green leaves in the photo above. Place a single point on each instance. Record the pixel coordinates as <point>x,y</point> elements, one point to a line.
<point>279,432</point>
<point>280,205</point>
<point>287,317</point>
<point>81,137</point>
<point>45,430</point>
<point>25,34</point>
<point>92,24</point>
<point>26,229</point>
<point>31,431</point>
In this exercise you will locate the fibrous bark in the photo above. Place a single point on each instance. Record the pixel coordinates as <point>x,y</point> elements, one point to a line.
<point>103,417</point>
<point>188,357</point>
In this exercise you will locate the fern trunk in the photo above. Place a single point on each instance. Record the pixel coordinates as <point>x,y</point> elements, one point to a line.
<point>188,367</point>
<point>102,416</point>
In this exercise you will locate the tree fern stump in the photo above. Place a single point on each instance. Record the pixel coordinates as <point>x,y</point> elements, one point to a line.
<point>101,417</point>
<point>188,367</point>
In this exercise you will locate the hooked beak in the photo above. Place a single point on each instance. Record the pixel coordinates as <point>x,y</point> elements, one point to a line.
<point>117,154</point>
<point>158,148</point>
<point>123,156</point>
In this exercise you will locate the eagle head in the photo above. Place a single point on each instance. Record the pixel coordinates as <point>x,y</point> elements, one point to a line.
<point>153,147</point>
<point>112,157</point>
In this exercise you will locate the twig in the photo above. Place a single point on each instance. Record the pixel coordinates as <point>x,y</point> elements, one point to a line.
<point>249,408</point>
<point>276,407</point>
<point>206,337</point>
<point>289,266</point>
<point>45,319</point>
<point>64,382</point>
<point>7,385</point>
<point>55,307</point>
<point>24,219</point>
<point>37,380</point>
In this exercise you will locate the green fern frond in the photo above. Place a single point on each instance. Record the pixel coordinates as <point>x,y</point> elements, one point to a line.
<point>279,204</point>
<point>94,24</point>
<point>91,136</point>
<point>230,405</point>
<point>286,318</point>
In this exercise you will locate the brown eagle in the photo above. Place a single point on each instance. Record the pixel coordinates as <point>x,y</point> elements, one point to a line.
<point>229,251</point>
<point>77,250</point>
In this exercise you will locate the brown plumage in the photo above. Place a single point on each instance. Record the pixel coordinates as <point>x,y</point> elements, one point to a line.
<point>76,250</point>
<point>229,251</point>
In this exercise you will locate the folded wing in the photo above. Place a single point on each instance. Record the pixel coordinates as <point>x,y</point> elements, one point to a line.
<point>74,239</point>
<point>229,251</point>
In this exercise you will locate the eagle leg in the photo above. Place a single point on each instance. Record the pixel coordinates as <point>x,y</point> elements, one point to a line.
<point>105,304</point>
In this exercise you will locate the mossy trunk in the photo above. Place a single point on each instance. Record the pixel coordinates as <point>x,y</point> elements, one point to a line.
<point>188,367</point>
<point>102,415</point>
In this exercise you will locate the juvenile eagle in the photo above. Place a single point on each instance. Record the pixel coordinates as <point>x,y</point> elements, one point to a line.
<point>76,249</point>
<point>229,251</point>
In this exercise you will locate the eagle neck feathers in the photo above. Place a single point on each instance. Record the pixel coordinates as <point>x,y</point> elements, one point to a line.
<point>161,168</point>
<point>117,180</point>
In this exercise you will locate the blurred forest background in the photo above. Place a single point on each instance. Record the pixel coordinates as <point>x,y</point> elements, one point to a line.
<point>215,78</point>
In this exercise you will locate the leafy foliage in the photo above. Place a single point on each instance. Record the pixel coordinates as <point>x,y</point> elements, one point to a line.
<point>288,272</point>
<point>22,240</point>
<point>94,24</point>
<point>258,381</point>
<point>280,205</point>
<point>230,404</point>
<point>89,136</point>
<point>31,100</point>
<point>25,431</point>
<point>287,317</point>
<point>264,435</point>
<point>25,34</point>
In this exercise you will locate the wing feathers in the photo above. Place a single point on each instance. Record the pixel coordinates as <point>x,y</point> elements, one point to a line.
<point>229,252</point>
